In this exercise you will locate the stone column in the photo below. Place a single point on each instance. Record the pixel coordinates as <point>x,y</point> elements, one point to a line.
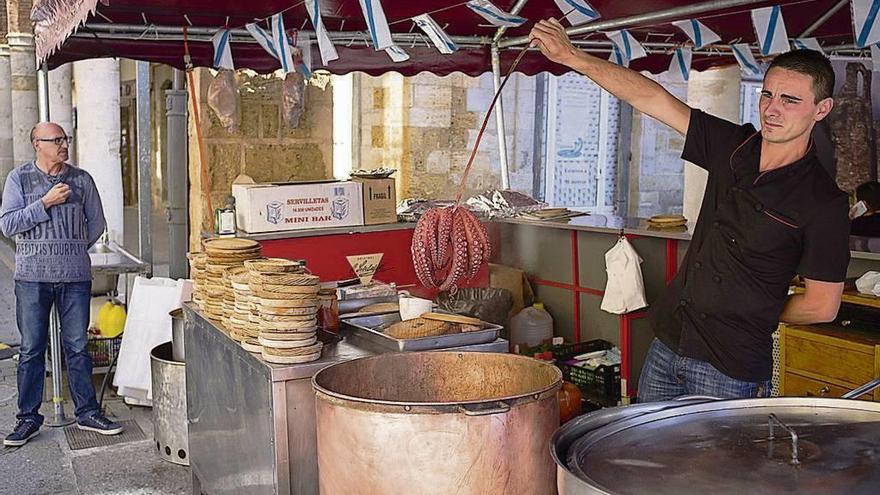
<point>23,70</point>
<point>60,103</point>
<point>715,91</point>
<point>6,161</point>
<point>98,134</point>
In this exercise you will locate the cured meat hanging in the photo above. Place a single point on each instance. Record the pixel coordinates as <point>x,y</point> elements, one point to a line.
<point>450,244</point>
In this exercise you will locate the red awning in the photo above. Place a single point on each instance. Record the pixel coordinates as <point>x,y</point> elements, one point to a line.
<point>93,40</point>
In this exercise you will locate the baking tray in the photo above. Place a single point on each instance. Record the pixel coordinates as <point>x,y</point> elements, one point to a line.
<point>371,328</point>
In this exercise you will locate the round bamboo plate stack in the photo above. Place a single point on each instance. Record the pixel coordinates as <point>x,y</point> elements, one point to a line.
<point>222,254</point>
<point>286,307</point>
<point>197,262</point>
<point>242,330</point>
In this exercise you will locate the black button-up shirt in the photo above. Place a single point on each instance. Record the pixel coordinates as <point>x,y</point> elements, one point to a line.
<point>755,232</point>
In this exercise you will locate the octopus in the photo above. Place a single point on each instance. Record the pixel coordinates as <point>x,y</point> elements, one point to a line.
<point>449,245</point>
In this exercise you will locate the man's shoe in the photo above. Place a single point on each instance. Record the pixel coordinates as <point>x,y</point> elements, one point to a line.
<point>25,429</point>
<point>99,423</point>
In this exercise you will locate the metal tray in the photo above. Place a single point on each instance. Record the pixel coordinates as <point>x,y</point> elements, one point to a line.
<point>372,328</point>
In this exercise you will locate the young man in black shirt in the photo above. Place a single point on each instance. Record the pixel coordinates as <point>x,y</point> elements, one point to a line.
<point>769,212</point>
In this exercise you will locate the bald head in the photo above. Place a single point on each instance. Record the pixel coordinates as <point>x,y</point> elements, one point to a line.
<point>51,145</point>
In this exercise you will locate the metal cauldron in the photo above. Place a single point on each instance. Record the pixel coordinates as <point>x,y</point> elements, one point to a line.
<point>437,423</point>
<point>170,429</point>
<point>705,445</point>
<point>177,331</point>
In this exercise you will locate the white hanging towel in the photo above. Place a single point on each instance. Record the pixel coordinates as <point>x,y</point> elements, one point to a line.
<point>697,32</point>
<point>397,54</point>
<point>770,28</point>
<point>743,54</point>
<point>222,50</point>
<point>577,11</point>
<point>325,46</point>
<point>807,44</point>
<point>147,325</point>
<point>625,290</point>
<point>374,15</point>
<point>629,46</point>
<point>865,25</point>
<point>496,16</point>
<point>680,66</point>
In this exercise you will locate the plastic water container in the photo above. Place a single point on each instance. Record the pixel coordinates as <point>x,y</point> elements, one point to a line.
<point>531,326</point>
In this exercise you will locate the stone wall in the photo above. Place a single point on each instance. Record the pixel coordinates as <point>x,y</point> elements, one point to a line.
<point>425,126</point>
<point>263,147</point>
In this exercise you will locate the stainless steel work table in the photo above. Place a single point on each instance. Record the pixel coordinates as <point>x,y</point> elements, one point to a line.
<point>252,423</point>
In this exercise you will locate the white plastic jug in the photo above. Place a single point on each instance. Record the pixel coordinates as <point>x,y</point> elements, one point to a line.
<point>531,326</point>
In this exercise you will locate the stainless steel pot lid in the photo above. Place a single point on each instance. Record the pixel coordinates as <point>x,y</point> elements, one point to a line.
<point>726,447</point>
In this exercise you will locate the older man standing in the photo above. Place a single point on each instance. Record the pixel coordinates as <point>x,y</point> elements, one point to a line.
<point>54,211</point>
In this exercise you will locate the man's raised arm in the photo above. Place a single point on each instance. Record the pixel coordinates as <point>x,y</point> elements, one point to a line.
<point>626,84</point>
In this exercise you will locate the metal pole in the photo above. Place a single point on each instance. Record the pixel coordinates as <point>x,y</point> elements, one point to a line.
<point>176,213</point>
<point>43,89</point>
<point>659,15</point>
<point>144,131</point>
<point>821,20</point>
<point>499,119</point>
<point>58,417</point>
<point>517,7</point>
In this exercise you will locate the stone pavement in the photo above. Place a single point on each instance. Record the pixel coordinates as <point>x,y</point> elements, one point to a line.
<point>47,466</point>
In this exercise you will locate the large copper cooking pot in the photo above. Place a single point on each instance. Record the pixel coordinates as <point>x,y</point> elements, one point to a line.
<point>437,423</point>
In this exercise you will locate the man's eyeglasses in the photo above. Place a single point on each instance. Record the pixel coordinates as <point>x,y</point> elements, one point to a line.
<point>57,140</point>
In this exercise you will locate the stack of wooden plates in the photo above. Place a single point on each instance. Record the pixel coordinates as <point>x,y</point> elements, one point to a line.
<point>286,303</point>
<point>241,328</point>
<point>236,331</point>
<point>667,221</point>
<point>222,254</point>
<point>197,262</point>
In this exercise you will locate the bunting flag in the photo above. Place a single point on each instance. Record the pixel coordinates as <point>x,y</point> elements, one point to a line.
<point>875,58</point>
<point>697,32</point>
<point>281,44</point>
<point>770,28</point>
<point>577,11</point>
<point>494,15</point>
<point>616,57</point>
<point>222,50</point>
<point>374,15</point>
<point>680,66</point>
<point>743,54</point>
<point>439,37</point>
<point>630,49</point>
<point>328,51</point>
<point>807,44</point>
<point>865,26</point>
<point>304,43</point>
<point>263,38</point>
<point>397,54</point>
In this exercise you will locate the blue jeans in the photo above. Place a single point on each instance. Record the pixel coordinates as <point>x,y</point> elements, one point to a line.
<point>666,375</point>
<point>33,301</point>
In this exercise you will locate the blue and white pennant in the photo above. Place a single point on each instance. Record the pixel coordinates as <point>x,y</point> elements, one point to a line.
<point>698,33</point>
<point>806,44</point>
<point>325,46</point>
<point>222,50</point>
<point>628,48</point>
<point>865,26</point>
<point>377,24</point>
<point>281,44</point>
<point>680,66</point>
<point>577,11</point>
<point>770,28</point>
<point>743,54</point>
<point>497,17</point>
<point>439,37</point>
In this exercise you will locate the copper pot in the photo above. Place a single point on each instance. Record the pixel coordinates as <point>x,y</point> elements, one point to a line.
<point>437,423</point>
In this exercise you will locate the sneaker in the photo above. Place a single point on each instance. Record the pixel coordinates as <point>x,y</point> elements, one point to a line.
<point>99,423</point>
<point>25,429</point>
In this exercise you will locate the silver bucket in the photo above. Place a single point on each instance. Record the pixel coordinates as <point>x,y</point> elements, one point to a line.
<point>177,329</point>
<point>170,430</point>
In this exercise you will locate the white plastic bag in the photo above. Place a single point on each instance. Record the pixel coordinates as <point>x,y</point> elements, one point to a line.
<point>869,283</point>
<point>625,291</point>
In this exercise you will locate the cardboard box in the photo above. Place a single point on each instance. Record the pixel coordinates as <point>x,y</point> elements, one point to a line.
<point>291,206</point>
<point>380,200</point>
